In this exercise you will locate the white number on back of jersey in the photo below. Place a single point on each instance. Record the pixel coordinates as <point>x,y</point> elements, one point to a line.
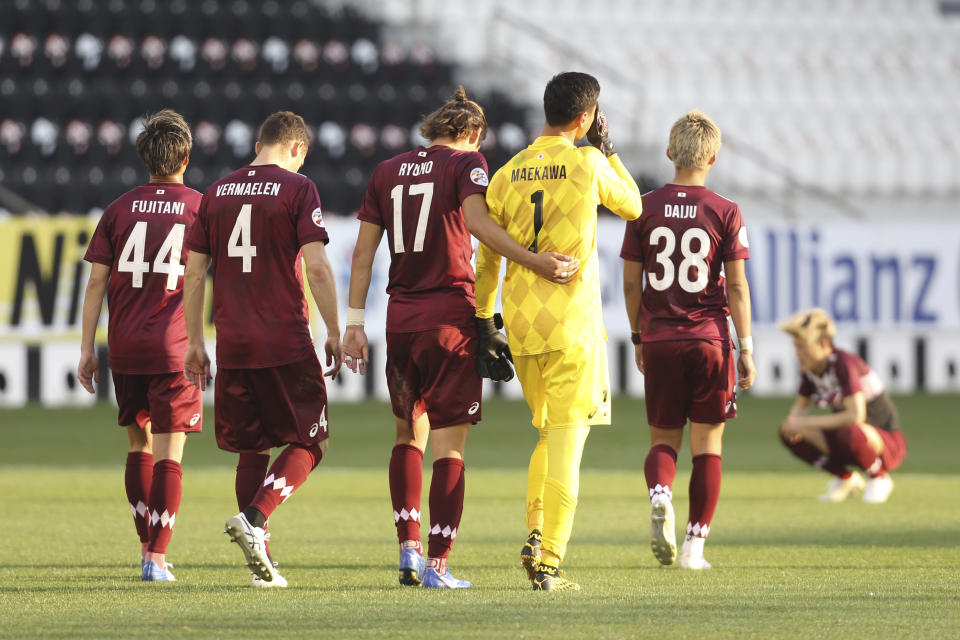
<point>134,245</point>
<point>131,257</point>
<point>238,246</point>
<point>171,247</point>
<point>691,259</point>
<point>424,189</point>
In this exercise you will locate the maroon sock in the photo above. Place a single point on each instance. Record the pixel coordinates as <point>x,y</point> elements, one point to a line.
<point>704,493</point>
<point>137,478</point>
<point>406,485</point>
<point>165,495</point>
<point>446,505</point>
<point>660,469</point>
<point>816,458</point>
<point>251,470</point>
<point>288,472</point>
<point>855,448</point>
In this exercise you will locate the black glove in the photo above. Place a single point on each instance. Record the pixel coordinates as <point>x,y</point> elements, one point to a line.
<point>598,133</point>
<point>493,352</point>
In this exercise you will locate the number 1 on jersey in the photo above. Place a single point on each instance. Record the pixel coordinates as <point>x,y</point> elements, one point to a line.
<point>537,199</point>
<point>424,189</point>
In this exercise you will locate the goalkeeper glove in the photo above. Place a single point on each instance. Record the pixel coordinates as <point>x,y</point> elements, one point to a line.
<point>493,352</point>
<point>598,133</point>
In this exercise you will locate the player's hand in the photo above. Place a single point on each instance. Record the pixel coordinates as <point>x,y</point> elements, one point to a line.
<point>555,267</point>
<point>334,356</point>
<point>599,133</point>
<point>793,428</point>
<point>88,371</point>
<point>196,366</point>
<point>356,349</point>
<point>746,370</point>
<point>638,357</point>
<point>493,352</point>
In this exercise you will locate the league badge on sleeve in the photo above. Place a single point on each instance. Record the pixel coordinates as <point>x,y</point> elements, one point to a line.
<point>317,216</point>
<point>479,176</point>
<point>742,236</point>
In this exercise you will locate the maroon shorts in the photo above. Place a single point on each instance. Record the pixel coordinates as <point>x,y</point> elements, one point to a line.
<point>689,379</point>
<point>434,372</point>
<point>174,405</point>
<point>894,449</point>
<point>257,409</point>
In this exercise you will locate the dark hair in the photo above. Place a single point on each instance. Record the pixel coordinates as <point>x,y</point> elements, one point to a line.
<point>284,126</point>
<point>568,94</point>
<point>456,118</point>
<point>164,143</point>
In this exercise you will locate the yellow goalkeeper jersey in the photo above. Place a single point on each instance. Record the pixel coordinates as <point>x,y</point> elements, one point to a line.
<point>546,198</point>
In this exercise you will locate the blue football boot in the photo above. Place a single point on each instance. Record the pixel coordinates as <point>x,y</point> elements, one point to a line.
<point>434,580</point>
<point>153,573</point>
<point>411,567</point>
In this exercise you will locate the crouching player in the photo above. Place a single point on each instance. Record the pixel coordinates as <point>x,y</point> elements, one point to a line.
<point>429,200</point>
<point>686,240</point>
<point>138,260</point>
<point>863,430</point>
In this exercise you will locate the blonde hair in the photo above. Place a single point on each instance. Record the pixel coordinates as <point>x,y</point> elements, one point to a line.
<point>457,117</point>
<point>694,139</point>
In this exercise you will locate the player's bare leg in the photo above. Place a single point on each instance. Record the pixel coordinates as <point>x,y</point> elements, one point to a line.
<point>536,476</point>
<point>138,476</point>
<point>406,487</point>
<point>660,470</point>
<point>706,447</point>
<point>446,504</point>
<point>165,492</point>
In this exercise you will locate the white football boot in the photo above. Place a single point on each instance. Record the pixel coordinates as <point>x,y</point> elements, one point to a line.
<point>839,489</point>
<point>691,554</point>
<point>663,535</point>
<point>878,489</point>
<point>251,541</point>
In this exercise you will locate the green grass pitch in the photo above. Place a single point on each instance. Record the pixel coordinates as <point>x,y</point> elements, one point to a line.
<point>785,565</point>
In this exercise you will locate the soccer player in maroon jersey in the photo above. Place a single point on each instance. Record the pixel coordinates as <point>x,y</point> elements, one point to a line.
<point>137,258</point>
<point>255,225</point>
<point>862,431</point>
<point>685,242</point>
<point>429,200</point>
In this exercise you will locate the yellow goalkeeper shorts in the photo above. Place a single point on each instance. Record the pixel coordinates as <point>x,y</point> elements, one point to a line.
<point>568,387</point>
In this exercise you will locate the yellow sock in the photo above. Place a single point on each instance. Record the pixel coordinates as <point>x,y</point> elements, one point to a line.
<point>536,474</point>
<point>562,484</point>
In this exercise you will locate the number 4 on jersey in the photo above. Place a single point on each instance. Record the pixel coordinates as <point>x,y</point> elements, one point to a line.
<point>239,245</point>
<point>167,260</point>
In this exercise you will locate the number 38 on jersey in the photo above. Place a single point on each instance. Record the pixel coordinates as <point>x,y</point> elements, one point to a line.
<point>692,273</point>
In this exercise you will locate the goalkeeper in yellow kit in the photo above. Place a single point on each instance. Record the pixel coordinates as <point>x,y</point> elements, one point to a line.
<point>546,198</point>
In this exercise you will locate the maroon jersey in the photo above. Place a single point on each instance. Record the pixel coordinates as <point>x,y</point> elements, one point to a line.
<point>845,375</point>
<point>416,198</point>
<point>252,224</point>
<point>140,237</point>
<point>683,238</point>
